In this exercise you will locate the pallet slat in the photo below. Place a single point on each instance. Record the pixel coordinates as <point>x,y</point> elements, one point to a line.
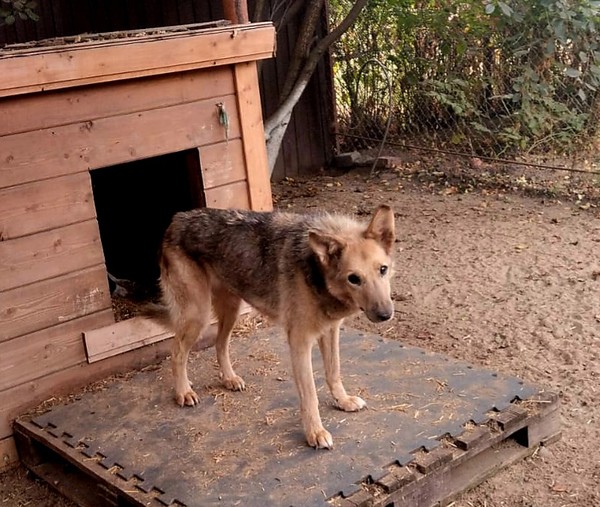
<point>8,453</point>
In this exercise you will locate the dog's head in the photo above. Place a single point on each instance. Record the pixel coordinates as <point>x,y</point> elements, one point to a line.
<point>357,264</point>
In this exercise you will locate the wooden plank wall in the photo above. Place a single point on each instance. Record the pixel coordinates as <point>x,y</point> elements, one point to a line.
<point>53,283</point>
<point>308,144</point>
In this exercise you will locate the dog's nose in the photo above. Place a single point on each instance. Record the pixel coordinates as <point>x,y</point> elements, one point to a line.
<point>384,315</point>
<point>380,314</point>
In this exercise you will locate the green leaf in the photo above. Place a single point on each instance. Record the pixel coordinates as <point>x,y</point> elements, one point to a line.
<point>559,30</point>
<point>572,72</point>
<point>32,15</point>
<point>490,8</point>
<point>506,9</point>
<point>457,138</point>
<point>480,127</point>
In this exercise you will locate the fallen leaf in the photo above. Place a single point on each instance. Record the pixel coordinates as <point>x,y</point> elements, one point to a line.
<point>558,488</point>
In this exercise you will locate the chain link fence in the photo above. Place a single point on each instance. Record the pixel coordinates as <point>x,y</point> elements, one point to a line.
<point>482,80</point>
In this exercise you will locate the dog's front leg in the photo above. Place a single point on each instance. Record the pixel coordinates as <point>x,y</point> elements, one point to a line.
<point>329,344</point>
<point>300,349</point>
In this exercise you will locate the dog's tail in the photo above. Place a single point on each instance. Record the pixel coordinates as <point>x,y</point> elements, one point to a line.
<point>157,312</point>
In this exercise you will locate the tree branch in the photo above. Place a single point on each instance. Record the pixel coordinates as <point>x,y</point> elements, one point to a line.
<point>259,9</point>
<point>277,123</point>
<point>289,12</point>
<point>302,46</point>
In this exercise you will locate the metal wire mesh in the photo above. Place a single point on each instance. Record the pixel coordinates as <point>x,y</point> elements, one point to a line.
<point>455,86</point>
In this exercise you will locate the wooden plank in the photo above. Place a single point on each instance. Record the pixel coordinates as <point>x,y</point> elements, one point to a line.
<point>253,135</point>
<point>50,302</point>
<point>195,179</point>
<point>44,352</point>
<point>44,205</point>
<point>117,338</point>
<point>32,70</point>
<point>48,254</point>
<point>93,102</point>
<point>222,163</point>
<point>122,336</point>
<point>93,38</point>
<point>234,195</point>
<point>108,141</point>
<point>8,453</point>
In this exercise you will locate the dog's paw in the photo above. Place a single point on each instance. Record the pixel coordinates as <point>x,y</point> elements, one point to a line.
<point>319,439</point>
<point>351,404</point>
<point>188,397</point>
<point>234,383</point>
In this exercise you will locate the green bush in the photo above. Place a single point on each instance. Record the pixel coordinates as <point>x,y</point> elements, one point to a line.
<point>498,76</point>
<point>11,10</point>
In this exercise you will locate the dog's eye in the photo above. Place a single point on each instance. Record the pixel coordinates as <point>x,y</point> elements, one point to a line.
<point>354,279</point>
<point>383,270</point>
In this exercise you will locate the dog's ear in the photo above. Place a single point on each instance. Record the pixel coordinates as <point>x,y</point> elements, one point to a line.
<point>326,247</point>
<point>382,228</point>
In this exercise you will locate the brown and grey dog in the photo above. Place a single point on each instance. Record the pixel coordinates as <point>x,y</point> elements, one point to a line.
<point>307,272</point>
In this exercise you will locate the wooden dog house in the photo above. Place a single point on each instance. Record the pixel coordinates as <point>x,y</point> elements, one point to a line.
<point>186,95</point>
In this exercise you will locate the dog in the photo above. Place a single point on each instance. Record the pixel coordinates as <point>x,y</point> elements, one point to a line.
<point>307,272</point>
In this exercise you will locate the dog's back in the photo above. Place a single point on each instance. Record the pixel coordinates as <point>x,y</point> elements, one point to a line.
<point>256,255</point>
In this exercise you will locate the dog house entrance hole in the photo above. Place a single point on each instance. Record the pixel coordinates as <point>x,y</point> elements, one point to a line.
<point>135,202</point>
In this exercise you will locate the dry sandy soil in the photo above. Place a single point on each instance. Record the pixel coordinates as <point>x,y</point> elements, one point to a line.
<point>497,268</point>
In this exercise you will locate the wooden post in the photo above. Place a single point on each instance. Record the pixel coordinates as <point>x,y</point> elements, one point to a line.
<point>236,11</point>
<point>253,136</point>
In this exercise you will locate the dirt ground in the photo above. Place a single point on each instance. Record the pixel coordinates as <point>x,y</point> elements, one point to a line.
<point>496,266</point>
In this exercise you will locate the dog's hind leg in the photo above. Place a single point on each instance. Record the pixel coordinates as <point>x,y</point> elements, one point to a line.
<point>329,344</point>
<point>186,293</point>
<point>186,335</point>
<point>227,307</point>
